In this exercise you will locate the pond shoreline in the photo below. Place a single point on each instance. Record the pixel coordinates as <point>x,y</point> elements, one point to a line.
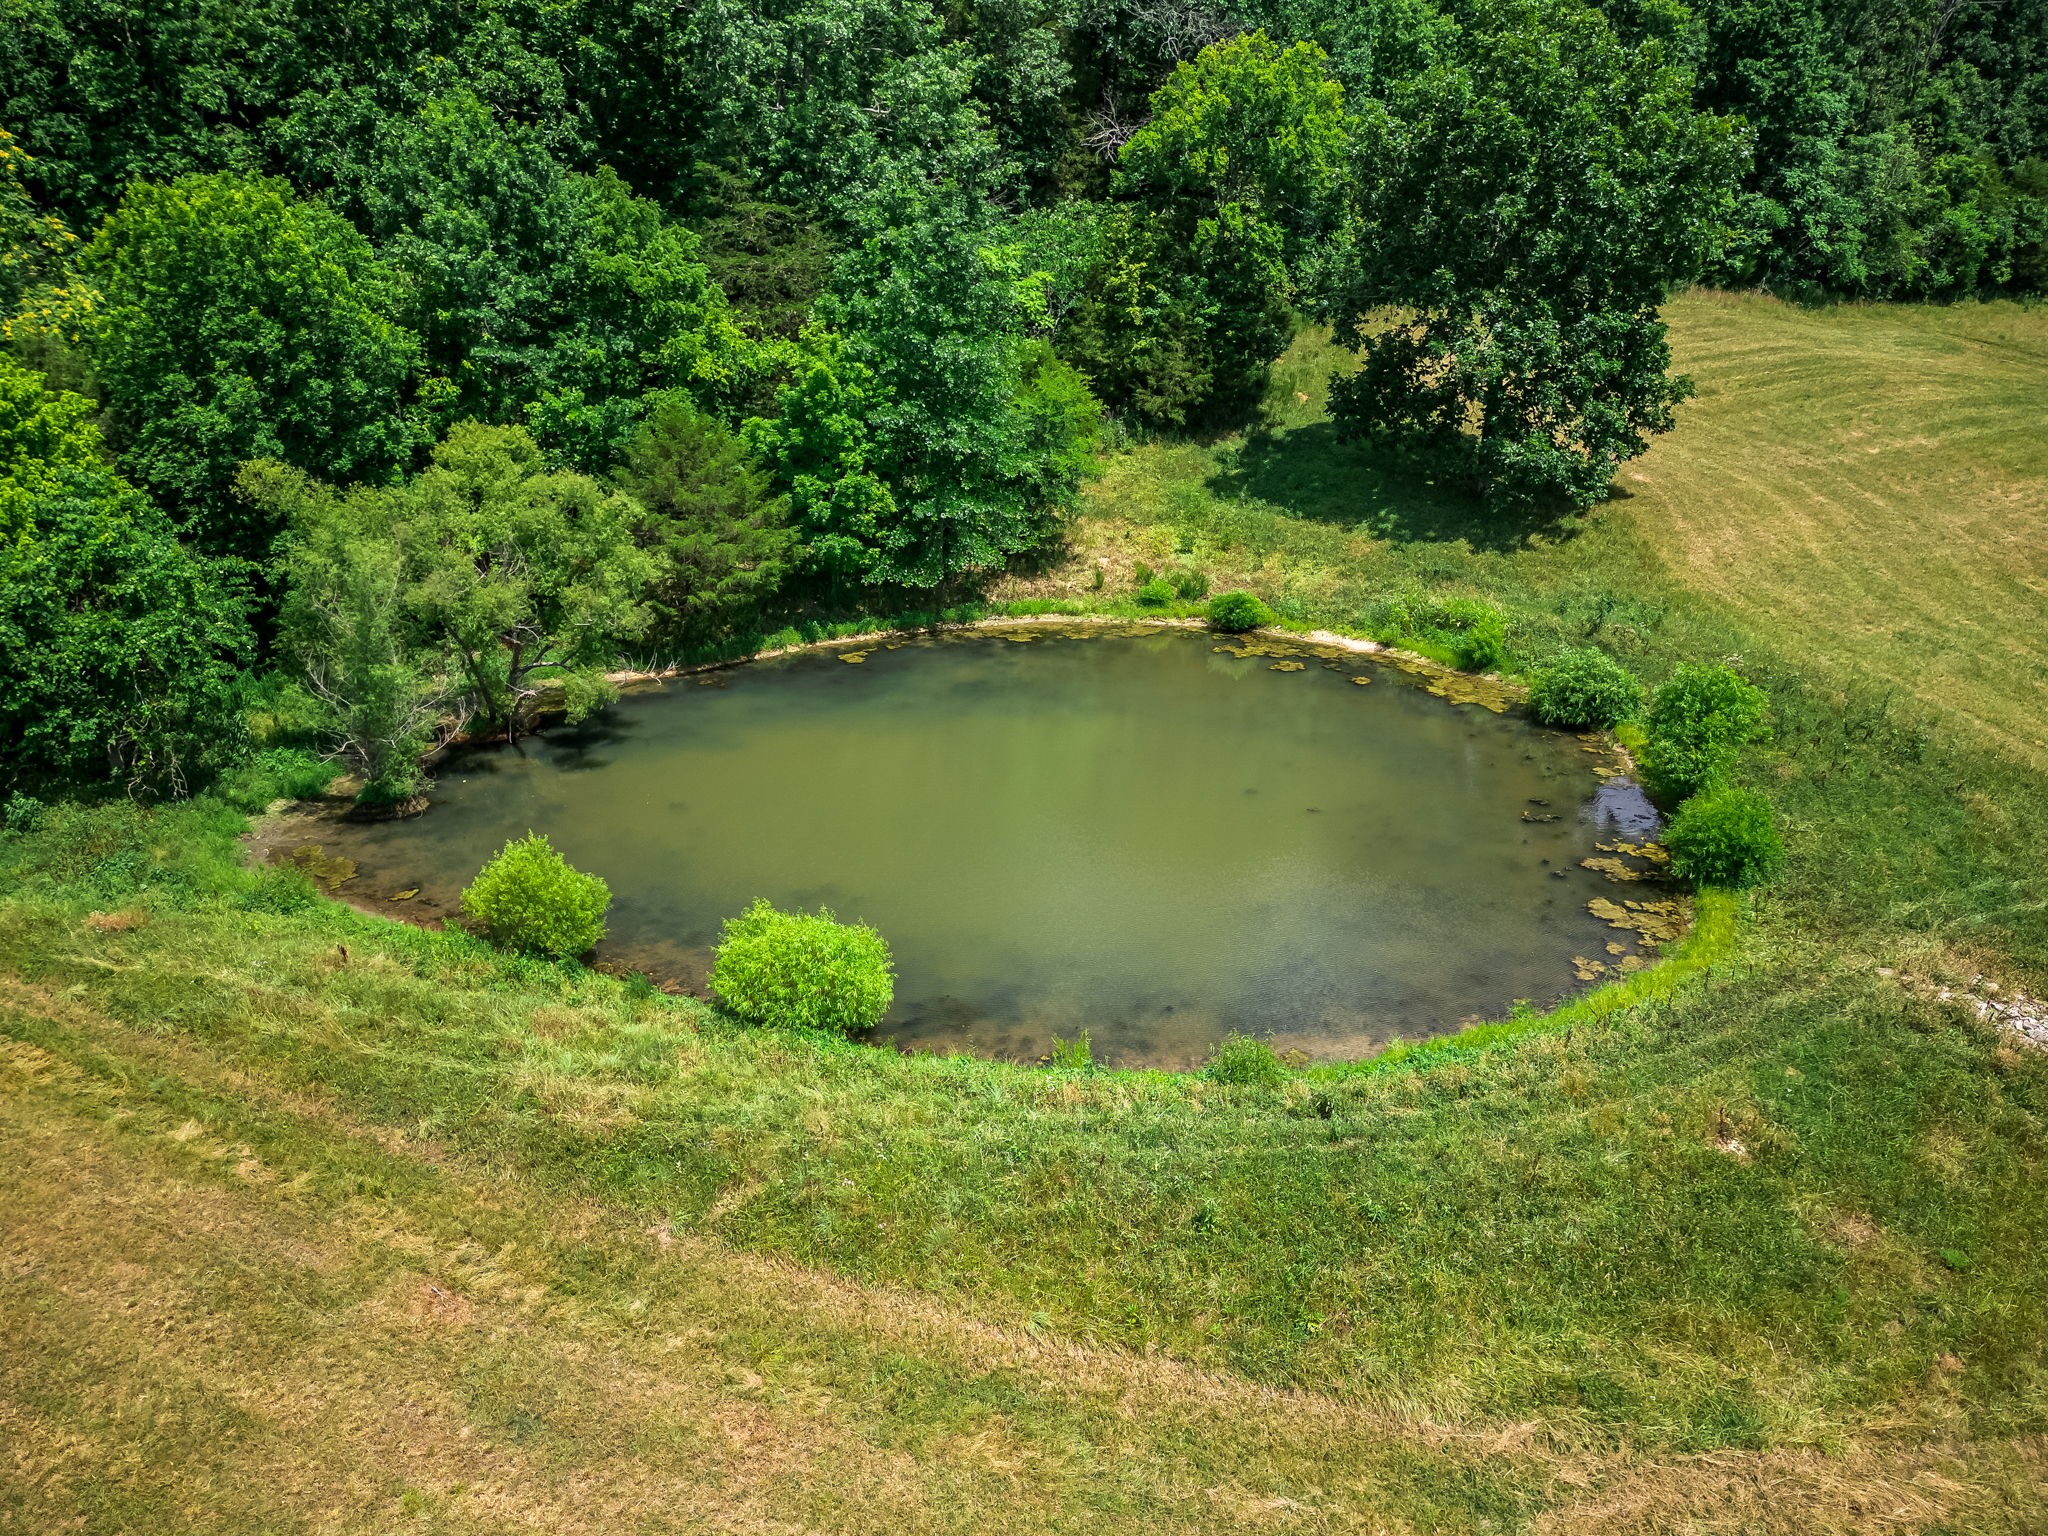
<point>320,837</point>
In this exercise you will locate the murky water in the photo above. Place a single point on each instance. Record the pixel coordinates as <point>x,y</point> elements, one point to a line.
<point>1144,838</point>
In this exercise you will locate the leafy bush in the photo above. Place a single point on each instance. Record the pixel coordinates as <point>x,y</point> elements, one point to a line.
<point>1241,1060</point>
<point>794,968</point>
<point>1725,837</point>
<point>1156,593</point>
<point>529,897</point>
<point>1236,612</point>
<point>1189,584</point>
<point>1582,687</point>
<point>1698,721</point>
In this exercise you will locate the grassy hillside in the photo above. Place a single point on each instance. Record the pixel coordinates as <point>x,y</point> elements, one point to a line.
<point>1867,482</point>
<point>318,1223</point>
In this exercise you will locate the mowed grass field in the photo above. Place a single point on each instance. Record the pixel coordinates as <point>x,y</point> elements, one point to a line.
<point>1868,482</point>
<point>313,1223</point>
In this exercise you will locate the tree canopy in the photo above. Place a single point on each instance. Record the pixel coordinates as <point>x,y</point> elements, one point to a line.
<point>480,343</point>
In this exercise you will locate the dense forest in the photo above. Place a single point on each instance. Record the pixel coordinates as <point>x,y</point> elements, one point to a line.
<point>373,368</point>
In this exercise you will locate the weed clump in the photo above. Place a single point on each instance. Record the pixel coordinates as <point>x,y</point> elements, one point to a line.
<point>1470,634</point>
<point>803,969</point>
<point>1244,1062</point>
<point>1156,593</point>
<point>530,897</point>
<point>1699,720</point>
<point>1726,838</point>
<point>1582,688</point>
<point>1235,613</point>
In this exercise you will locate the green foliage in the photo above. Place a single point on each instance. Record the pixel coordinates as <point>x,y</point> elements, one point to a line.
<point>1156,593</point>
<point>711,520</point>
<point>1234,613</point>
<point>276,773</point>
<point>1244,1061</point>
<point>535,290</point>
<point>770,259</point>
<point>1189,584</point>
<point>347,626</point>
<point>35,247</point>
<point>1582,687</point>
<point>1247,123</point>
<point>1727,838</point>
<point>123,648</point>
<point>803,970</point>
<point>1524,352</point>
<point>1897,149</point>
<point>1232,181</point>
<point>930,437</point>
<point>523,575</point>
<point>486,580</point>
<point>240,323</point>
<point>1076,1055</point>
<point>529,897</point>
<point>44,436</point>
<point>1464,631</point>
<point>1699,719</point>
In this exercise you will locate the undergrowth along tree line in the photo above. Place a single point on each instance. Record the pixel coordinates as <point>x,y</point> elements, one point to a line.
<point>369,390</point>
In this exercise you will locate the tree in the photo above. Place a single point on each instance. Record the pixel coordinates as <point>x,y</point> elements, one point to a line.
<point>379,692</point>
<point>124,648</point>
<point>522,576</point>
<point>1250,124</point>
<point>537,291</point>
<point>923,439</point>
<point>1232,188</point>
<point>712,520</point>
<point>238,323</point>
<point>1521,209</point>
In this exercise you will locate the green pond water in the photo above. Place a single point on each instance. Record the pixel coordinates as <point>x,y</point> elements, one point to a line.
<point>1142,837</point>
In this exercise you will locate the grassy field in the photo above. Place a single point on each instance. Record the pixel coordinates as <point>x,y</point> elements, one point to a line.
<point>315,1223</point>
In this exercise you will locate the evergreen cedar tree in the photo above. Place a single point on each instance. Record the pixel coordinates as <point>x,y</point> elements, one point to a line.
<point>764,310</point>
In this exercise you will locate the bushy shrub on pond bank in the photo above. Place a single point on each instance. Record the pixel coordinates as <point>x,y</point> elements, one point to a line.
<point>530,897</point>
<point>1244,1061</point>
<point>1582,688</point>
<point>803,969</point>
<point>1699,720</point>
<point>1235,613</point>
<point>1726,838</point>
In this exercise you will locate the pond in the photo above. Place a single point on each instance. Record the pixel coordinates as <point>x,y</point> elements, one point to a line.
<point>1140,833</point>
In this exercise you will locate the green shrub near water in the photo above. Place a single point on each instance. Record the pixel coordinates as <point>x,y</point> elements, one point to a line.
<point>1156,593</point>
<point>803,969</point>
<point>1244,1061</point>
<point>1189,584</point>
<point>1469,633</point>
<point>1726,838</point>
<point>1699,720</point>
<point>530,897</point>
<point>1235,613</point>
<point>1581,687</point>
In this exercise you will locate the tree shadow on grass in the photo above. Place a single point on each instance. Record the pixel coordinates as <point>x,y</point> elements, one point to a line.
<point>1309,474</point>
